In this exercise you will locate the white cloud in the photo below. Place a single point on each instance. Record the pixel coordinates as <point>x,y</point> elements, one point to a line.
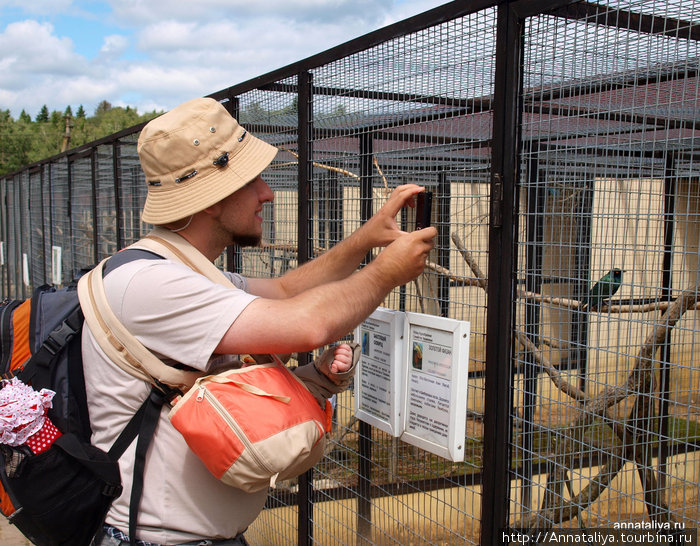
<point>31,48</point>
<point>113,46</point>
<point>35,66</point>
<point>163,52</point>
<point>135,12</point>
<point>39,7</point>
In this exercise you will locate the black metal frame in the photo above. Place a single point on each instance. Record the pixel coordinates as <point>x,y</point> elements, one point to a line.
<point>504,180</point>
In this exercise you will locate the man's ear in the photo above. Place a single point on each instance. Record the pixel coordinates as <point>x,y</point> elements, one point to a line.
<point>213,210</point>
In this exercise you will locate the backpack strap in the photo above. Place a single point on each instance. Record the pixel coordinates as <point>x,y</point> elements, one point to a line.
<point>53,344</point>
<point>128,255</point>
<point>116,341</point>
<point>177,248</point>
<point>120,346</point>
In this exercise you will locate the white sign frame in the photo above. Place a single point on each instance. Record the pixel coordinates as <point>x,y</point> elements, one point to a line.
<point>56,265</point>
<point>25,270</point>
<point>378,400</point>
<point>436,384</point>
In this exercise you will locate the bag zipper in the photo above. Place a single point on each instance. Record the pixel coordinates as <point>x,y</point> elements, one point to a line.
<point>221,410</point>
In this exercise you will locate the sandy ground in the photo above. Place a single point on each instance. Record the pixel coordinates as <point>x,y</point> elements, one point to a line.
<point>10,536</point>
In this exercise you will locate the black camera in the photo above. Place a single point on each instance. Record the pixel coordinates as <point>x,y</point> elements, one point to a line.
<point>424,209</point>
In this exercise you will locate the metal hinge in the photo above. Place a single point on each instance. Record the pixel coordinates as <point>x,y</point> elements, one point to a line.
<point>497,201</point>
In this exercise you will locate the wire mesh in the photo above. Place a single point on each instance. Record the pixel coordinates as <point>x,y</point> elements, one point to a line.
<point>5,236</point>
<point>20,227</point>
<point>36,228</point>
<point>131,192</point>
<point>409,110</point>
<point>61,247</point>
<point>82,214</point>
<point>603,415</point>
<point>105,206</point>
<point>603,402</point>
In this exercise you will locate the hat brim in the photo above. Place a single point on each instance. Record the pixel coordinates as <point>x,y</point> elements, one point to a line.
<point>198,193</point>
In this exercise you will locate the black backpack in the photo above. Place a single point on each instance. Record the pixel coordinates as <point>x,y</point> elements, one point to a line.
<point>61,496</point>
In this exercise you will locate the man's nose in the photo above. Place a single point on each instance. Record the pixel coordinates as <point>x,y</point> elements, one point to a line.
<point>265,194</point>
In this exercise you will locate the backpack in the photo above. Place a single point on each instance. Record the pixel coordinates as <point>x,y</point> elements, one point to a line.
<point>61,495</point>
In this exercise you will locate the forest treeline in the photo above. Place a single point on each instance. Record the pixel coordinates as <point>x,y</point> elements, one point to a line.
<point>25,140</point>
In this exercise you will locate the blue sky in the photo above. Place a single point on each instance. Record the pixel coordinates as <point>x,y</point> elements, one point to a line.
<point>154,54</point>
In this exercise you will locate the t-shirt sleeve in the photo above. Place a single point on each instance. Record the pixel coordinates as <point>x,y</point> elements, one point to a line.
<point>178,314</point>
<point>239,281</point>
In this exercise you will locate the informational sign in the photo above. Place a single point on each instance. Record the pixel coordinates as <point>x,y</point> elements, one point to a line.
<point>435,401</point>
<point>2,252</point>
<point>379,379</point>
<point>25,269</point>
<point>56,265</point>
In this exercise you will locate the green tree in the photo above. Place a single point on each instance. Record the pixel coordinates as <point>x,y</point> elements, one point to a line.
<point>57,118</point>
<point>103,107</point>
<point>253,112</point>
<point>43,115</point>
<point>6,126</point>
<point>25,141</point>
<point>20,142</point>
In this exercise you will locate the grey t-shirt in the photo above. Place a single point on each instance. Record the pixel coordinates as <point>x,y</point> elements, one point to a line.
<point>181,316</point>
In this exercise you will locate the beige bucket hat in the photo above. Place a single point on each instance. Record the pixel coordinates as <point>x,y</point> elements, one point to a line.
<point>194,156</point>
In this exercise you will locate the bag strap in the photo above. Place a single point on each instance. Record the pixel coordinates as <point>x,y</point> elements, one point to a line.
<point>151,413</point>
<point>177,248</point>
<point>114,339</point>
<point>54,343</point>
<point>120,346</point>
<point>252,389</point>
<point>106,470</point>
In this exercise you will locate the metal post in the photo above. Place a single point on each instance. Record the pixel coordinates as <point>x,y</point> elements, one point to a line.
<point>234,258</point>
<point>45,229</point>
<point>364,470</point>
<point>69,213</point>
<point>305,139</point>
<point>335,210</point>
<point>51,213</point>
<point>499,321</point>
<point>95,221</point>
<point>443,248</point>
<point>22,222</point>
<point>118,207</point>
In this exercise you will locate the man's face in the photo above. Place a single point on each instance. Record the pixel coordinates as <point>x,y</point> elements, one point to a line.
<point>241,213</point>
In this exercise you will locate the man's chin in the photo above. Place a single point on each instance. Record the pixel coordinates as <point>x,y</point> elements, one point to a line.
<point>247,240</point>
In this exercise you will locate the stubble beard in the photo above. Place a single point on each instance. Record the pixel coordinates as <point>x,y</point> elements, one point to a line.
<point>246,240</point>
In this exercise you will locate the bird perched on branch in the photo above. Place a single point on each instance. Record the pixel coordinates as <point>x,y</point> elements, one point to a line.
<point>602,290</point>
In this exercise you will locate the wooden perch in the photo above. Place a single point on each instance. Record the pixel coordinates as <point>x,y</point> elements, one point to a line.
<point>639,383</point>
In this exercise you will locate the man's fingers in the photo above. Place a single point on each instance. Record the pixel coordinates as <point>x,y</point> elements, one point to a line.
<point>427,234</point>
<point>402,196</point>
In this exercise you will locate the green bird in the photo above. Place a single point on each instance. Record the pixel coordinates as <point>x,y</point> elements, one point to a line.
<point>602,290</point>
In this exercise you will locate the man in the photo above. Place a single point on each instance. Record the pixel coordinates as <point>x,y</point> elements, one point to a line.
<point>204,183</point>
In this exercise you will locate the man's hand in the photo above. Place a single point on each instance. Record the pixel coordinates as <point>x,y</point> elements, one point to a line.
<point>382,229</point>
<point>405,258</point>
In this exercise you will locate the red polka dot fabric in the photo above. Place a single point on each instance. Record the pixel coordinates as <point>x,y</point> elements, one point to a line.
<point>42,440</point>
<point>23,416</point>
